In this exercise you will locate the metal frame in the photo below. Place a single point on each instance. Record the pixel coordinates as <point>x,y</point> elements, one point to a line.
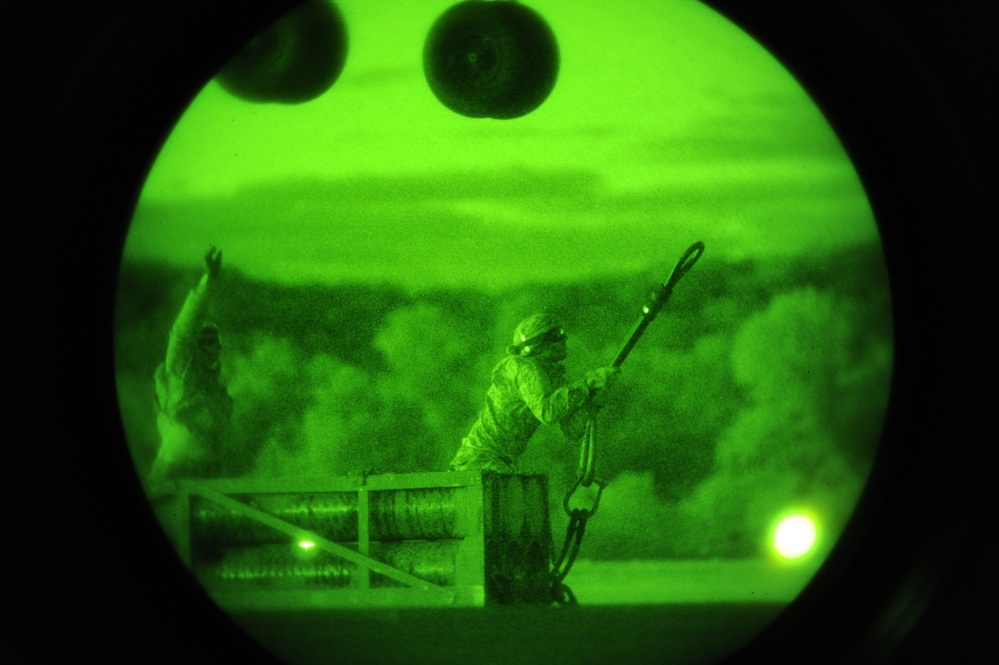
<point>174,507</point>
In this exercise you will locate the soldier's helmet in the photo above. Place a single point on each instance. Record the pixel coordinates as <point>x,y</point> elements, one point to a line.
<point>536,331</point>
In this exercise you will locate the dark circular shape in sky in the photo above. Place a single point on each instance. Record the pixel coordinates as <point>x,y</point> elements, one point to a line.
<point>294,60</point>
<point>491,59</point>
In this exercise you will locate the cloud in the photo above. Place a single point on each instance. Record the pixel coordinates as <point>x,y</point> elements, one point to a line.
<point>495,228</point>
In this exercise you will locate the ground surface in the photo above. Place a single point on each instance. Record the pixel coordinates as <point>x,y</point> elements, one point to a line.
<point>679,634</point>
<point>629,612</point>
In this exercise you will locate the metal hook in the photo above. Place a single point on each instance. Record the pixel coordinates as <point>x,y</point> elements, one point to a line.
<point>601,484</point>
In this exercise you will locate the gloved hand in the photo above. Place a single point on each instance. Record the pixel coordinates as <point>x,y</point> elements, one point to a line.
<point>602,378</point>
<point>213,262</point>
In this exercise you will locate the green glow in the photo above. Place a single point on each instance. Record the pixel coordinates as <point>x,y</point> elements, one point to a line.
<point>663,113</point>
<point>379,248</point>
<point>794,536</point>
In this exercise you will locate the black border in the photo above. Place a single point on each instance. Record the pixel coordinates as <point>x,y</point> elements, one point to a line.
<point>906,88</point>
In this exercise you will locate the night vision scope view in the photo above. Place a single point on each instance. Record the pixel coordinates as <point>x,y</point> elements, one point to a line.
<point>472,329</point>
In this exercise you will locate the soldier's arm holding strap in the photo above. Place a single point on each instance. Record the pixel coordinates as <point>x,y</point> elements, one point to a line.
<point>550,406</point>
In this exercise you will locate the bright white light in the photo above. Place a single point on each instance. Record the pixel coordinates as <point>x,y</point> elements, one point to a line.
<point>305,544</point>
<point>794,536</point>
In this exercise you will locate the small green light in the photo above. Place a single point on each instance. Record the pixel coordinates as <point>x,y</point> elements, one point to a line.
<point>305,544</point>
<point>794,536</point>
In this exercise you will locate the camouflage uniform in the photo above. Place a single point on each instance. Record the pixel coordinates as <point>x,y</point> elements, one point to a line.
<point>522,397</point>
<point>528,390</point>
<point>193,408</point>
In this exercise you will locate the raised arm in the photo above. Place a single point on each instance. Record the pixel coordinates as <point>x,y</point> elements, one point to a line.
<point>183,334</point>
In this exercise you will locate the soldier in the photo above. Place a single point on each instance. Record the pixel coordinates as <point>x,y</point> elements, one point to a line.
<point>528,389</point>
<point>193,408</point>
